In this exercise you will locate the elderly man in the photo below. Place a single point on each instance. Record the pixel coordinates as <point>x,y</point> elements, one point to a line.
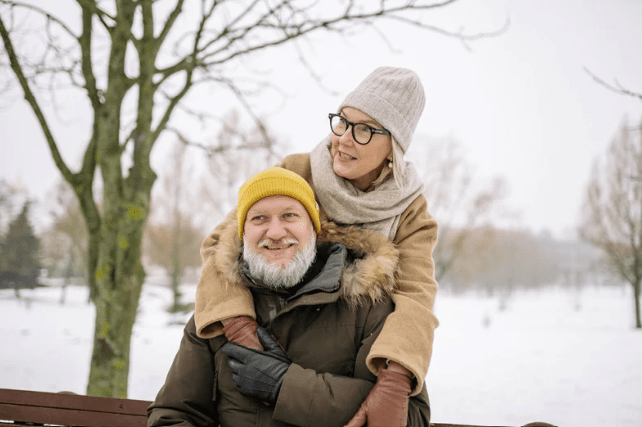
<point>321,298</point>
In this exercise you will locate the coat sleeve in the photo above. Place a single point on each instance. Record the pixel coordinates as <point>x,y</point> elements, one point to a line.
<point>408,334</point>
<point>309,398</point>
<point>187,397</point>
<point>218,296</point>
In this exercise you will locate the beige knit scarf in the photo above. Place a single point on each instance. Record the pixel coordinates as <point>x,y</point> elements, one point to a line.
<point>378,210</point>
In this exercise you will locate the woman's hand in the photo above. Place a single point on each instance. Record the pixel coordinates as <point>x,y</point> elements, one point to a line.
<point>241,330</point>
<point>387,403</point>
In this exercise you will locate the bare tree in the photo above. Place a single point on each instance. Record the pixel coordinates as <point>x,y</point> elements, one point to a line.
<point>458,201</point>
<point>226,172</point>
<point>612,214</point>
<point>134,66</point>
<point>171,238</point>
<point>174,246</point>
<point>64,244</point>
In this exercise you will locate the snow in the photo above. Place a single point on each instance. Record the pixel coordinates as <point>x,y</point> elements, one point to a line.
<point>569,358</point>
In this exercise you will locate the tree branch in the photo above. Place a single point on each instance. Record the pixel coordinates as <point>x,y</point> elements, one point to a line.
<point>40,11</point>
<point>90,6</point>
<point>85,47</point>
<point>171,19</point>
<point>618,88</point>
<point>259,123</point>
<point>190,63</point>
<point>302,27</point>
<point>212,150</point>
<point>460,35</point>
<point>31,99</point>
<point>170,108</point>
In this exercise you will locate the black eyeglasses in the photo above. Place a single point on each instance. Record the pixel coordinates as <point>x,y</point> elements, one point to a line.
<point>361,132</point>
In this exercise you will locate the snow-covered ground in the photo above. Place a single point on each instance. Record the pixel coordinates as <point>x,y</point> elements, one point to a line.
<point>571,359</point>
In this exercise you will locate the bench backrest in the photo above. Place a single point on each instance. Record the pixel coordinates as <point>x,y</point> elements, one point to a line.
<point>29,408</point>
<point>22,406</point>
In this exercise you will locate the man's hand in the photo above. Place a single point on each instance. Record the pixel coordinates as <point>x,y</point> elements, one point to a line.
<point>387,403</point>
<point>258,373</point>
<point>242,331</point>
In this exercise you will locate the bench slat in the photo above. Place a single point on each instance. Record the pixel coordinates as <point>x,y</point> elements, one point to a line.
<point>71,409</point>
<point>74,401</point>
<point>24,407</point>
<point>70,417</point>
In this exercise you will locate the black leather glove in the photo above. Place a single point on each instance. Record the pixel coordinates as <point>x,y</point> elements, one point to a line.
<point>258,373</point>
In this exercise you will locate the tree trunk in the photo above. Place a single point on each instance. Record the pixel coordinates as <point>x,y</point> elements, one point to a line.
<point>68,273</point>
<point>115,317</point>
<point>176,282</point>
<point>119,274</point>
<point>176,254</point>
<point>636,297</point>
<point>119,285</point>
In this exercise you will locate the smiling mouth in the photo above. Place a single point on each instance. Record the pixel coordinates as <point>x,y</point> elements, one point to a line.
<point>277,245</point>
<point>344,156</point>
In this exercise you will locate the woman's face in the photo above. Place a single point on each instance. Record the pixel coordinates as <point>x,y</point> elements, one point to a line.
<point>360,164</point>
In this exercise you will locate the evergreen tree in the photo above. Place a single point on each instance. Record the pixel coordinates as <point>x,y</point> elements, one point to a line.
<point>19,262</point>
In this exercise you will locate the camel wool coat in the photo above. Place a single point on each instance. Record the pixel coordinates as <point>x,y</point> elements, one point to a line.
<point>408,334</point>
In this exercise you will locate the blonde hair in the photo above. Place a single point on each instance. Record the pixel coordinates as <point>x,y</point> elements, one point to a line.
<point>398,170</point>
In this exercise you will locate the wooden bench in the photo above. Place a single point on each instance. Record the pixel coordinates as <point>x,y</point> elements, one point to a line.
<point>34,408</point>
<point>21,408</point>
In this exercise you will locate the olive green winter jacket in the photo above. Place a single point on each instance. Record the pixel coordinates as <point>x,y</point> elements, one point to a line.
<point>327,327</point>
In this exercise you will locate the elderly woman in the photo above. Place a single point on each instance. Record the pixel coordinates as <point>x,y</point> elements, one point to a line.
<point>360,179</point>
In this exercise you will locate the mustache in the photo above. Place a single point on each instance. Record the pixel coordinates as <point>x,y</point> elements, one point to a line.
<point>281,243</point>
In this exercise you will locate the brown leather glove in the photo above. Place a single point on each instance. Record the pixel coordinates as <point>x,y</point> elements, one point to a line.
<point>387,403</point>
<point>241,330</point>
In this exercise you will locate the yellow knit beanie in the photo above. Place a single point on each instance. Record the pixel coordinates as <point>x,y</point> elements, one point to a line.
<point>276,182</point>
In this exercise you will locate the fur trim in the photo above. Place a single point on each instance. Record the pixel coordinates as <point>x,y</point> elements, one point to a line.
<point>370,277</point>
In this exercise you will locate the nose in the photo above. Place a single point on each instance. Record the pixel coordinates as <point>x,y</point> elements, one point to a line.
<point>276,230</point>
<point>346,138</point>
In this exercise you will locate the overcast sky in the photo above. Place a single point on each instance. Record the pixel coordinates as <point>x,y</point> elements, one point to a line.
<point>521,103</point>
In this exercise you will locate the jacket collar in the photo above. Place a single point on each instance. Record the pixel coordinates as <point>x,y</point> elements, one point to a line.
<point>319,286</point>
<point>328,279</point>
<point>362,268</point>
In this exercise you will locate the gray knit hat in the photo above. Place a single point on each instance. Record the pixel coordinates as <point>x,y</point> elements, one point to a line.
<point>394,97</point>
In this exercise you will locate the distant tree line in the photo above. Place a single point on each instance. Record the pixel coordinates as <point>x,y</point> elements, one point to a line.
<point>498,262</point>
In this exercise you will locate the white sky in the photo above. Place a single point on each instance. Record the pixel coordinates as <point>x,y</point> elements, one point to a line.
<point>521,103</point>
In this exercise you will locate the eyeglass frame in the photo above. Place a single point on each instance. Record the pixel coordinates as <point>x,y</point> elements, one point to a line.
<point>373,130</point>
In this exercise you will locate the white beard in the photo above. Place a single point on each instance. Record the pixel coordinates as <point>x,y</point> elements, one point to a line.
<point>275,276</point>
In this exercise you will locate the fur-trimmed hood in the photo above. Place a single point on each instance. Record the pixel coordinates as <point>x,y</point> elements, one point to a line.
<point>369,277</point>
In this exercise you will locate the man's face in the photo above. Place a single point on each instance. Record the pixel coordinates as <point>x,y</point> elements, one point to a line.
<point>277,227</point>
